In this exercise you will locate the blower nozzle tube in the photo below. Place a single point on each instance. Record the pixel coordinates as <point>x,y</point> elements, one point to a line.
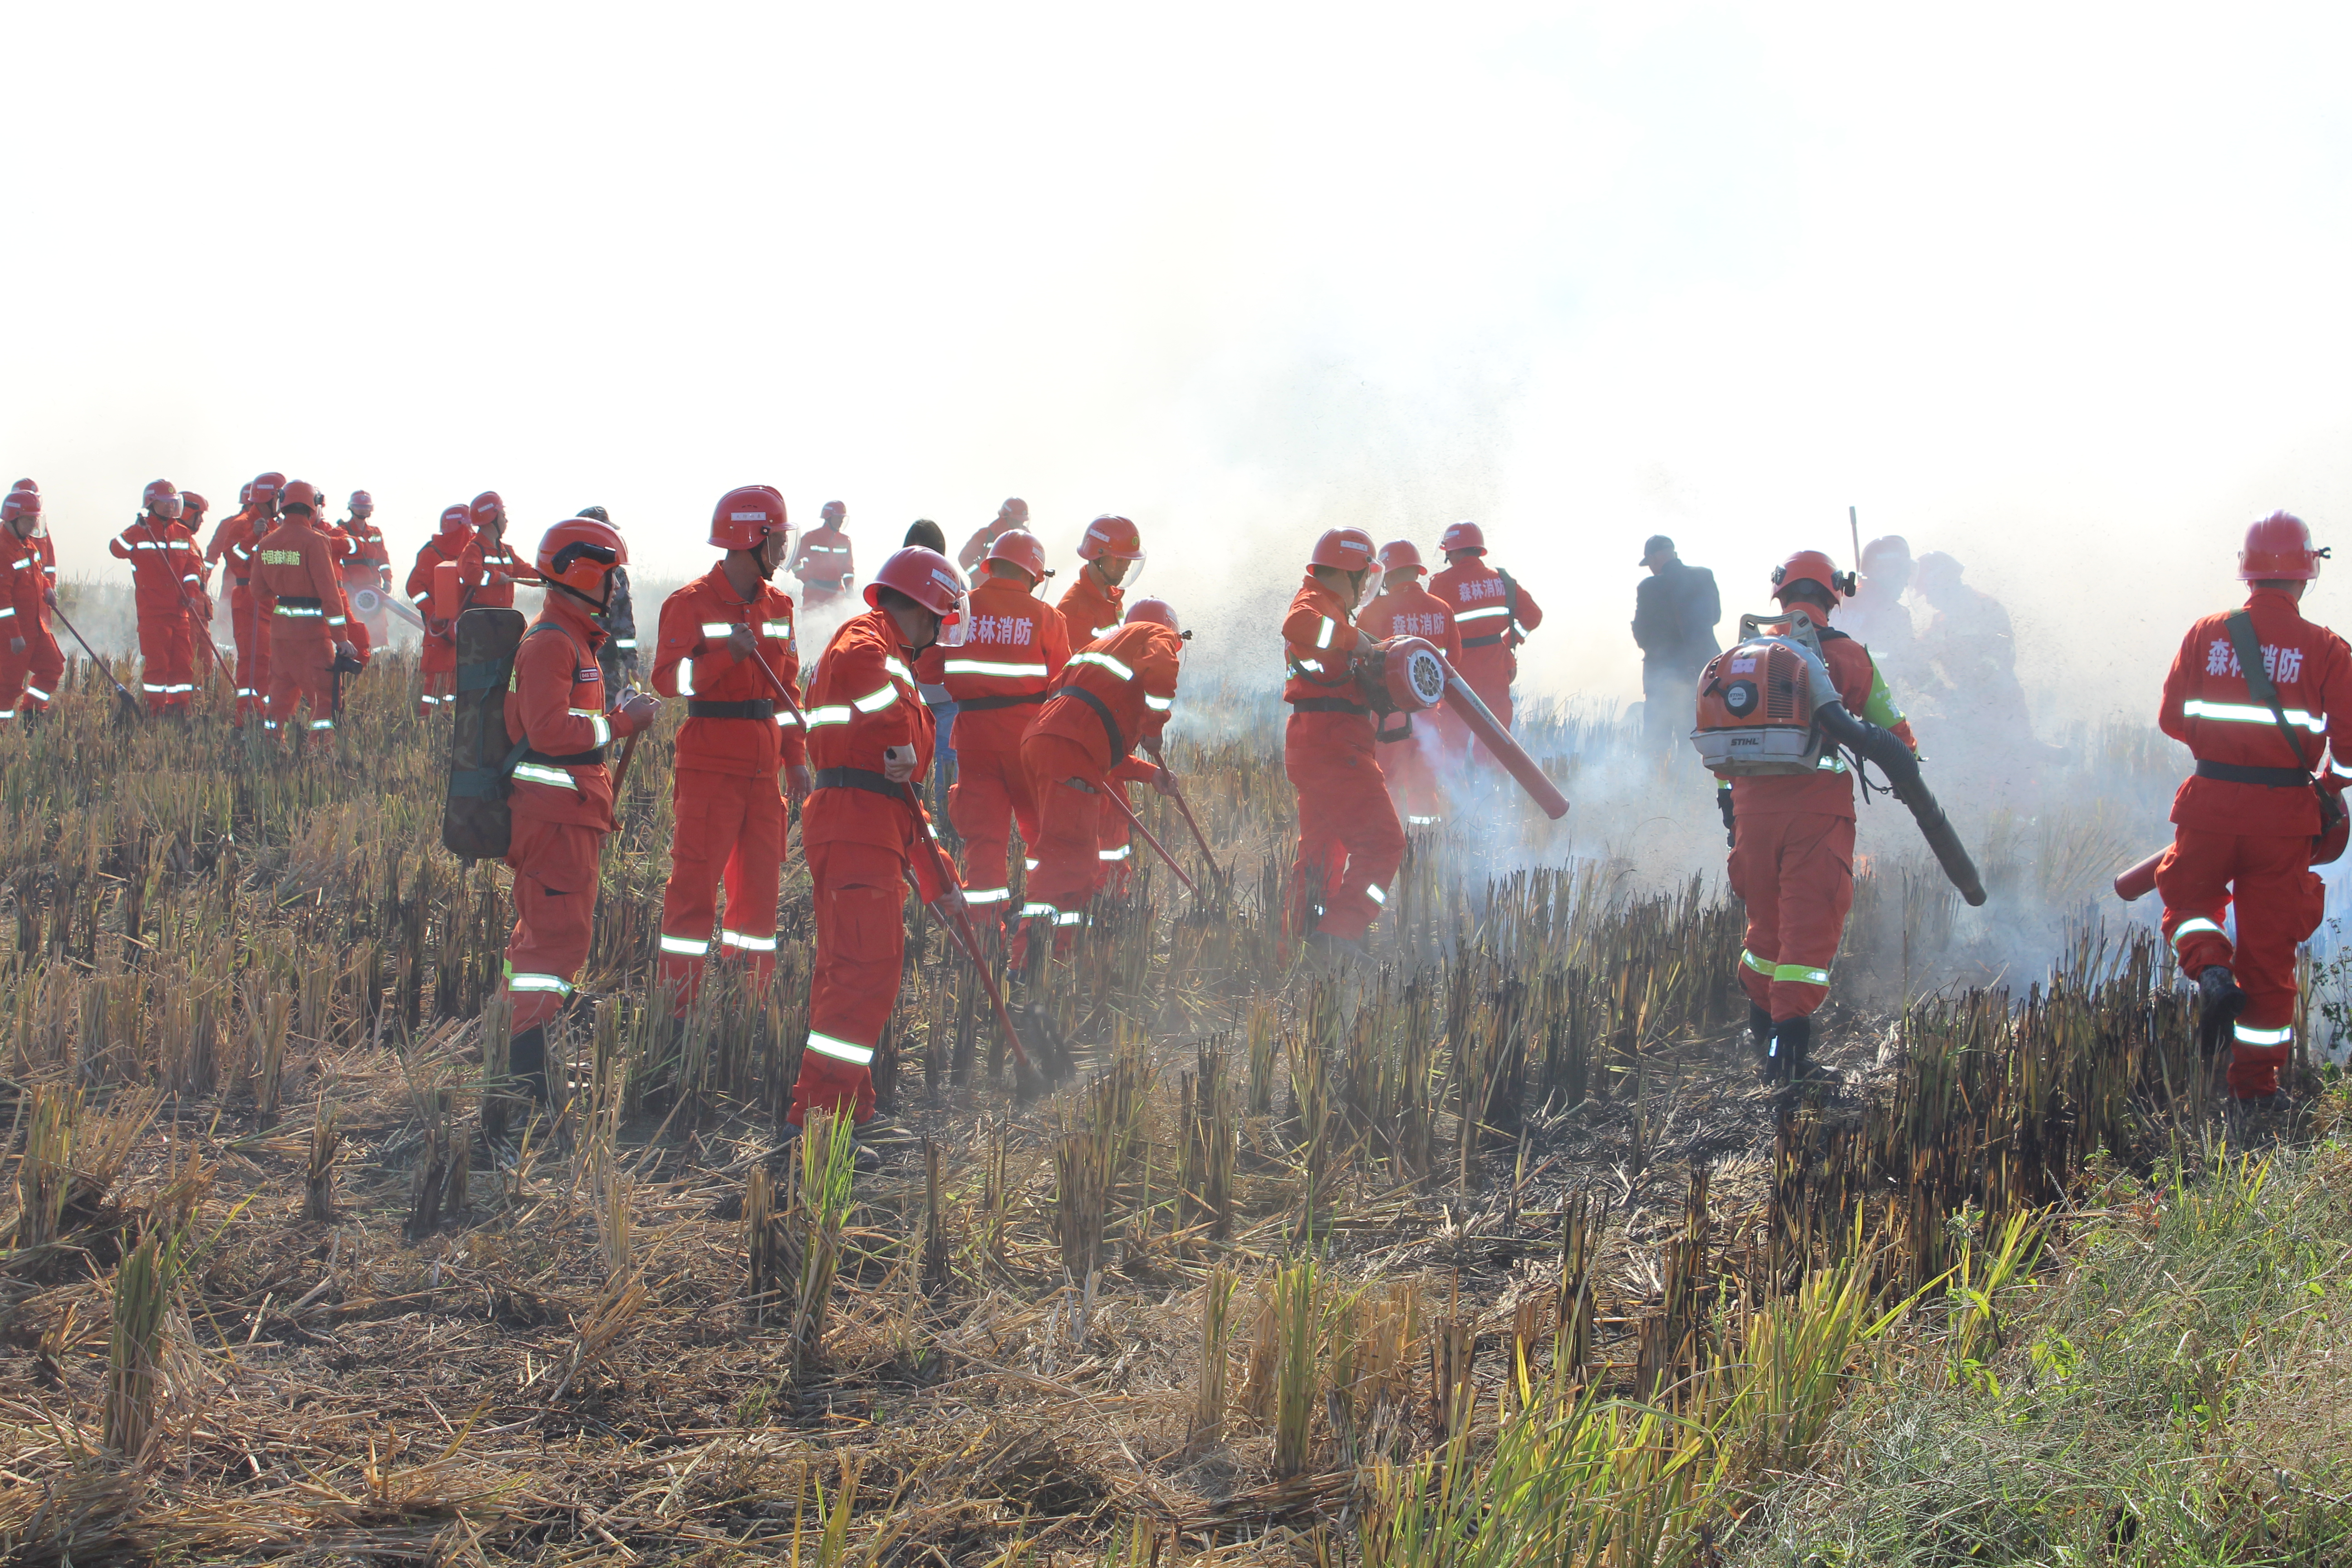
<point>1902,770</point>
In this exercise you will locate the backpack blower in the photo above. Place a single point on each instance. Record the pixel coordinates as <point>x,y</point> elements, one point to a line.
<point>1407,675</point>
<point>1768,706</point>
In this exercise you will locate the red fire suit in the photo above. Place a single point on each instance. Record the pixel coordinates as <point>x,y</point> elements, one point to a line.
<point>862,838</point>
<point>1090,611</point>
<point>27,676</point>
<point>2247,839</point>
<point>823,566</point>
<point>563,805</point>
<point>369,565</point>
<point>1494,612</point>
<point>437,661</point>
<point>342,549</point>
<point>999,680</point>
<point>167,585</point>
<point>1114,695</point>
<point>235,540</point>
<point>310,616</point>
<point>737,738</point>
<point>1792,851</point>
<point>1350,841</point>
<point>1409,742</point>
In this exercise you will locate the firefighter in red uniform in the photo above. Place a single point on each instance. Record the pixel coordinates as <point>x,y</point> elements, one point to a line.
<point>1493,616</point>
<point>308,614</point>
<point>998,680</point>
<point>455,546</point>
<point>167,588</point>
<point>32,664</point>
<point>824,564</point>
<point>369,565</point>
<point>249,610</point>
<point>1350,841</point>
<point>562,800</point>
<point>1114,696</point>
<point>1404,608</point>
<point>738,735</point>
<point>1013,514</point>
<point>869,740</point>
<point>1110,553</point>
<point>1792,838</point>
<point>2244,822</point>
<point>501,567</point>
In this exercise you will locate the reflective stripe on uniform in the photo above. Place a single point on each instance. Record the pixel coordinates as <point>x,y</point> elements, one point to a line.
<point>1372,892</point>
<point>299,610</point>
<point>874,702</point>
<point>1326,631</point>
<point>890,662</point>
<point>1799,975</point>
<point>841,1050</point>
<point>2189,927</point>
<point>538,773</point>
<point>747,944</point>
<point>555,984</point>
<point>1159,704</point>
<point>1105,660</point>
<point>1756,964</point>
<point>717,628</point>
<point>1071,918</point>
<point>1121,853</point>
<point>686,678</point>
<point>776,628</point>
<point>985,666</point>
<point>1461,615</point>
<point>594,717</point>
<point>2247,713</point>
<point>834,713</point>
<point>692,947</point>
<point>2251,1036</point>
<point>1038,911</point>
<point>987,895</point>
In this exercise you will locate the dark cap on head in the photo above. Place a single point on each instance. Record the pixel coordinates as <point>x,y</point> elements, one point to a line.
<point>1653,545</point>
<point>928,534</point>
<point>597,512</point>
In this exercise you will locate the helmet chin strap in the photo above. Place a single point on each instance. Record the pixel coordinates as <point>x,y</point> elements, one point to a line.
<point>599,606</point>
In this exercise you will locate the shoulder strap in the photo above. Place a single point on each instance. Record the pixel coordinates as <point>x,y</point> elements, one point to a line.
<point>2258,679</point>
<point>1511,593</point>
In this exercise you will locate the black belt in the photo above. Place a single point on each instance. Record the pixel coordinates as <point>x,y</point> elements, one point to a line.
<point>1488,641</point>
<point>299,601</point>
<point>588,759</point>
<point>1327,705</point>
<point>866,778</point>
<point>991,704</point>
<point>1110,724</point>
<point>1395,735</point>
<point>757,708</point>
<point>241,582</point>
<point>2277,778</point>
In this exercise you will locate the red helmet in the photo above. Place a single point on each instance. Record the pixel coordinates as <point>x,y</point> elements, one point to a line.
<point>459,516</point>
<point>1158,611</point>
<point>2279,548</point>
<point>1811,566</point>
<point>929,578</point>
<point>1112,536</point>
<point>161,499</point>
<point>1397,556</point>
<point>24,485</point>
<point>746,515</point>
<point>488,508</point>
<point>266,488</point>
<point>245,493</point>
<point>834,513</point>
<point>361,499</point>
<point>1346,549</point>
<point>578,553</point>
<point>301,493</point>
<point>193,505</point>
<point>20,503</point>
<point>1463,536</point>
<point>1020,547</point>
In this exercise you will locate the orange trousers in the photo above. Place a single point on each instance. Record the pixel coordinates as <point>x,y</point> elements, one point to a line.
<point>554,866</point>
<point>729,830</point>
<point>2280,902</point>
<point>167,649</point>
<point>861,942</point>
<point>301,670</point>
<point>1794,871</point>
<point>251,629</point>
<point>1113,843</point>
<point>437,661</point>
<point>1350,841</point>
<point>28,680</point>
<point>991,796</point>
<point>1405,762</point>
<point>1066,785</point>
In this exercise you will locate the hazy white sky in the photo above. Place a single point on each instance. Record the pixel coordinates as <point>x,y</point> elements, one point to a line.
<point>2063,290</point>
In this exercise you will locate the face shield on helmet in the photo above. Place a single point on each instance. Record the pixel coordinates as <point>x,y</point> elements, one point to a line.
<point>955,627</point>
<point>1373,577</point>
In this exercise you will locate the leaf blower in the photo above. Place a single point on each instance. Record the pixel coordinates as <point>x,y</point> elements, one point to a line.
<point>1407,675</point>
<point>1768,706</point>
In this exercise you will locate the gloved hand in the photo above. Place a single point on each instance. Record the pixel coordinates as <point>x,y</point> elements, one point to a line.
<point>1723,803</point>
<point>15,645</point>
<point>345,651</point>
<point>1164,782</point>
<point>899,763</point>
<point>948,906</point>
<point>635,712</point>
<point>798,782</point>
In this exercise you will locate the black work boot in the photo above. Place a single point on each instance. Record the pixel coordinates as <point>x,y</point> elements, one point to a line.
<point>526,1061</point>
<point>2219,1003</point>
<point>1759,1031</point>
<point>1792,1042</point>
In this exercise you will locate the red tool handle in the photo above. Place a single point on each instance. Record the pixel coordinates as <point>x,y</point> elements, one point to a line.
<point>1482,722</point>
<point>2138,881</point>
<point>1113,793</point>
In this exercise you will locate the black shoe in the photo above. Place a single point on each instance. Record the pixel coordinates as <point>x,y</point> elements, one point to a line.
<point>1760,1030</point>
<point>2219,1003</point>
<point>526,1061</point>
<point>1792,1042</point>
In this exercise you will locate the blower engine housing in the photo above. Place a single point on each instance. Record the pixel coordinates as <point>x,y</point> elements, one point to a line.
<point>1757,701</point>
<point>1403,675</point>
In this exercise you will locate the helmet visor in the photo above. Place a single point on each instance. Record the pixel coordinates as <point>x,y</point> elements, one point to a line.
<point>170,507</point>
<point>955,627</point>
<point>1373,577</point>
<point>1133,574</point>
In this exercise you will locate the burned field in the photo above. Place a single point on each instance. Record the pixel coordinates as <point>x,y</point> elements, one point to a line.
<point>1295,1265</point>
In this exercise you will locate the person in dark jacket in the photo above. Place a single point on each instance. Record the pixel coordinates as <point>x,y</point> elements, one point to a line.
<point>618,656</point>
<point>1675,615</point>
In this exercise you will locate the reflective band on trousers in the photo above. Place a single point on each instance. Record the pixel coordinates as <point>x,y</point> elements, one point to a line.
<point>2247,713</point>
<point>1790,973</point>
<point>691,946</point>
<point>555,984</point>
<point>1372,892</point>
<point>987,895</point>
<point>841,1050</point>
<point>1037,911</point>
<point>2247,1036</point>
<point>2189,927</point>
<point>747,944</point>
<point>1121,853</point>
<point>1756,964</point>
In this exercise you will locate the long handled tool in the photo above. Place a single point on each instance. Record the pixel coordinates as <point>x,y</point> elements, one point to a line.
<point>1176,794</point>
<point>1113,793</point>
<point>368,601</point>
<point>202,627</point>
<point>130,703</point>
